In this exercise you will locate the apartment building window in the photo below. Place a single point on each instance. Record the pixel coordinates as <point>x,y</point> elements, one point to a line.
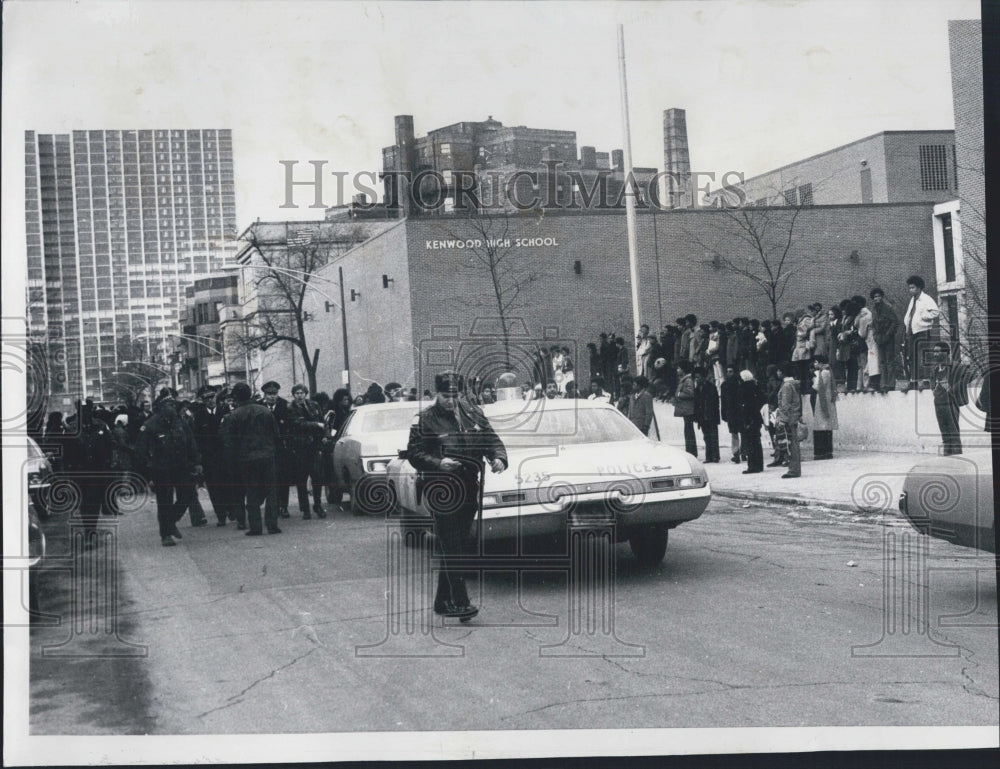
<point>790,197</point>
<point>445,148</point>
<point>806,194</point>
<point>933,167</point>
<point>949,248</point>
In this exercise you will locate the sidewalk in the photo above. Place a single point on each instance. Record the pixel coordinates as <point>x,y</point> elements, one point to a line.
<point>855,481</point>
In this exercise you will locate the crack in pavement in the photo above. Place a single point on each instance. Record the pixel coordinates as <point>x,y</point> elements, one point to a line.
<point>238,697</point>
<point>971,687</point>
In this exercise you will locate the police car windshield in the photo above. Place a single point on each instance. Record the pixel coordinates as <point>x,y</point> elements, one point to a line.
<point>384,420</point>
<point>563,427</point>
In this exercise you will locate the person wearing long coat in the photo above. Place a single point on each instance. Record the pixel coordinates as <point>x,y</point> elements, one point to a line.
<point>706,412</point>
<point>752,400</point>
<point>684,405</point>
<point>825,410</point>
<point>848,344</point>
<point>802,352</point>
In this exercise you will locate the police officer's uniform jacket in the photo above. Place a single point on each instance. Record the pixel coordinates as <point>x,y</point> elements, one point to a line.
<point>206,433</point>
<point>167,449</point>
<point>464,434</point>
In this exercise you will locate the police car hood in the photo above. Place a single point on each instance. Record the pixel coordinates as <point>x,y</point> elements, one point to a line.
<point>590,463</point>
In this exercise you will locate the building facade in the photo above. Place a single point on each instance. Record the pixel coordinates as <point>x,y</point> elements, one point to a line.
<point>420,296</point>
<point>207,356</point>
<point>118,224</point>
<point>887,167</point>
<point>960,223</point>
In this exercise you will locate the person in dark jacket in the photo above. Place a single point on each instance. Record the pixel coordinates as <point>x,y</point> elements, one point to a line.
<point>788,335</point>
<point>252,445</point>
<point>640,404</point>
<point>304,440</point>
<point>207,416</point>
<point>283,464</point>
<point>751,402</point>
<point>88,463</point>
<point>340,409</point>
<point>886,326</point>
<point>706,412</point>
<point>167,451</point>
<point>447,444</point>
<point>684,405</point>
<point>950,381</point>
<point>729,399</point>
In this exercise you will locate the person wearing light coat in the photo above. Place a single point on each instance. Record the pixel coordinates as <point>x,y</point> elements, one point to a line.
<point>825,410</point>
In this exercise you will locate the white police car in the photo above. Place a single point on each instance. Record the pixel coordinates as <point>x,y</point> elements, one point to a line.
<point>572,461</point>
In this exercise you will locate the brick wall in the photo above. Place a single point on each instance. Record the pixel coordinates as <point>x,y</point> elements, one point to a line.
<point>452,289</point>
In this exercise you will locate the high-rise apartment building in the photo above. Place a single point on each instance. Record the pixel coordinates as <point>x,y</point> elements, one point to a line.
<point>119,223</point>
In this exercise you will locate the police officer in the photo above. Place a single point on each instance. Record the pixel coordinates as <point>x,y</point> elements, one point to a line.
<point>282,477</point>
<point>306,429</point>
<point>88,460</point>
<point>207,416</point>
<point>250,438</point>
<point>167,451</point>
<point>448,441</point>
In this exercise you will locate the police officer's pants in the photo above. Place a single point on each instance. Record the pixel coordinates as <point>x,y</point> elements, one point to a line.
<point>215,483</point>
<point>174,490</point>
<point>93,495</point>
<point>451,533</point>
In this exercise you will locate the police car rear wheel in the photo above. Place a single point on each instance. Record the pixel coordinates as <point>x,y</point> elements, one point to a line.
<point>649,545</point>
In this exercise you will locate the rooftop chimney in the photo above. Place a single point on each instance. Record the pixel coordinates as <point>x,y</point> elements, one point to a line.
<point>676,160</point>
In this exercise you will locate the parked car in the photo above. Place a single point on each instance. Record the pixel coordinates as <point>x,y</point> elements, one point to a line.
<point>38,477</point>
<point>951,498</point>
<point>369,439</point>
<point>36,557</point>
<point>573,461</point>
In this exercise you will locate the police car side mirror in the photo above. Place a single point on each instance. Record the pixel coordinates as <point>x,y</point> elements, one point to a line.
<point>404,454</point>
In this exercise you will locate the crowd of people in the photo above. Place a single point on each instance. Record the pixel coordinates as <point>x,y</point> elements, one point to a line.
<point>245,449</point>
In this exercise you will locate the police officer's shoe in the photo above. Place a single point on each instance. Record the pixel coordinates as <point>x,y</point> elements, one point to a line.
<point>221,523</point>
<point>449,609</point>
<point>306,515</point>
<point>273,530</point>
<point>202,522</point>
<point>283,513</point>
<point>176,533</point>
<point>241,526</point>
<point>320,512</point>
<point>253,533</point>
<point>168,542</point>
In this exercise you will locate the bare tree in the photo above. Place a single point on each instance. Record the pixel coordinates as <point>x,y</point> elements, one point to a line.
<point>487,235</point>
<point>281,276</point>
<point>768,259</point>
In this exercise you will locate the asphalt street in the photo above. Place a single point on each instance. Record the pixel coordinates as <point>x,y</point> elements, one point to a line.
<point>759,616</point>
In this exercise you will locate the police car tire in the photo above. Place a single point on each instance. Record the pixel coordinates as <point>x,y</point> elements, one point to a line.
<point>649,545</point>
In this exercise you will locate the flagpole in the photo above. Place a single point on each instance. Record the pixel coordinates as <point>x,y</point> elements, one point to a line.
<point>633,245</point>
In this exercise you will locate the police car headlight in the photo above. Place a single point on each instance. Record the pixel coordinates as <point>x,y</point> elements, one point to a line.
<point>690,482</point>
<point>490,500</point>
<point>377,465</point>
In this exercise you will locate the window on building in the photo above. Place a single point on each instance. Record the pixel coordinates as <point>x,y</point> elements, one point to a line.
<point>949,248</point>
<point>790,197</point>
<point>445,148</point>
<point>760,202</point>
<point>806,194</point>
<point>933,167</point>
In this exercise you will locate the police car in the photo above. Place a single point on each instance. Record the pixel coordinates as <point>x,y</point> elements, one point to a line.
<point>368,440</point>
<point>572,461</point>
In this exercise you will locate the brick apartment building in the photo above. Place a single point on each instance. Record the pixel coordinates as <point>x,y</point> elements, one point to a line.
<point>538,164</point>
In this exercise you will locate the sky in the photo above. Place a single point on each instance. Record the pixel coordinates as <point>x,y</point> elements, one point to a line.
<point>763,83</point>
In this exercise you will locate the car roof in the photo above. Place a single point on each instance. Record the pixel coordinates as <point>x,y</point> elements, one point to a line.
<point>395,405</point>
<point>545,404</point>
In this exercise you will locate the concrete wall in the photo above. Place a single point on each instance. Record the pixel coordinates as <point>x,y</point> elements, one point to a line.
<point>895,422</point>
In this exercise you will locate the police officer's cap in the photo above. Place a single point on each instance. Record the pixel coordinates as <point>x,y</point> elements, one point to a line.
<point>206,390</point>
<point>270,387</point>
<point>449,381</point>
<point>166,394</point>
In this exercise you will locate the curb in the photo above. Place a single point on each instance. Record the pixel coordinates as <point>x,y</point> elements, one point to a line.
<point>757,496</point>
